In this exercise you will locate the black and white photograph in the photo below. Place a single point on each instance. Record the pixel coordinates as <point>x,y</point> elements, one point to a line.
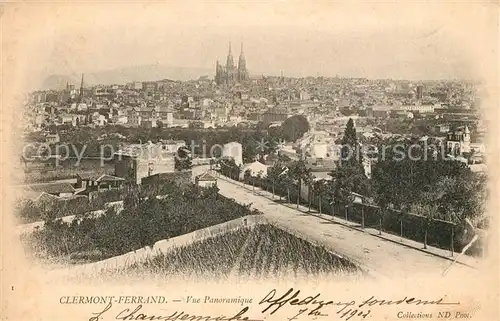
<point>230,145</point>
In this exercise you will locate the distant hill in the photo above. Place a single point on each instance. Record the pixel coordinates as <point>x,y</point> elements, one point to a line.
<point>57,82</point>
<point>128,74</point>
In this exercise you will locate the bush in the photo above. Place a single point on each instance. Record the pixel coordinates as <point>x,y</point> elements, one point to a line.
<point>144,221</point>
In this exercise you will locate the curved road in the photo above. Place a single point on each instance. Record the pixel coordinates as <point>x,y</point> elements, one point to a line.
<point>379,256</point>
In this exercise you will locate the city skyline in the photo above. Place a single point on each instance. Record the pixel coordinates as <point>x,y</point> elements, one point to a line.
<point>348,41</point>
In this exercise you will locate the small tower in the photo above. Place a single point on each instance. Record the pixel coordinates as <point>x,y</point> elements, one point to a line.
<point>230,70</point>
<point>81,90</point>
<point>230,60</point>
<point>218,72</point>
<point>242,66</point>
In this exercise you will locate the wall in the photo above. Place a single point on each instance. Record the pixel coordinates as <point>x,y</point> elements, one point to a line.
<point>124,167</point>
<point>163,164</point>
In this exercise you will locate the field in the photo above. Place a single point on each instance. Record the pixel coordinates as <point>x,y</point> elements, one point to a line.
<point>258,252</point>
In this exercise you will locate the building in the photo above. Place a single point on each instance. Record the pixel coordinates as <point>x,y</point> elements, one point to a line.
<point>229,75</point>
<point>233,150</point>
<point>379,111</point>
<point>458,141</point>
<point>90,182</point>
<point>54,189</point>
<point>180,178</point>
<point>270,116</point>
<point>137,161</point>
<point>206,180</point>
<point>52,138</point>
<point>418,108</point>
<point>442,128</point>
<point>420,92</point>
<point>255,169</point>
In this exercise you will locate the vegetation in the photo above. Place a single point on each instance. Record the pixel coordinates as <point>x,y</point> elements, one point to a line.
<point>426,181</point>
<point>144,221</point>
<point>413,188</point>
<point>261,251</point>
<point>182,160</point>
<point>294,127</point>
<point>349,177</point>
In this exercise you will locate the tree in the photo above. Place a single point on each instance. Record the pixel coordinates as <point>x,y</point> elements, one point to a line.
<point>274,174</point>
<point>342,185</point>
<point>247,176</point>
<point>294,127</point>
<point>196,125</point>
<point>350,152</point>
<point>349,176</point>
<point>321,190</point>
<point>309,182</point>
<point>298,172</point>
<point>250,151</point>
<point>182,160</point>
<point>288,182</point>
<point>229,168</point>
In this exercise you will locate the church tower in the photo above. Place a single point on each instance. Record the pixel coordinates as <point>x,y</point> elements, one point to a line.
<point>231,74</point>
<point>230,70</point>
<point>219,74</point>
<point>81,90</point>
<point>242,67</point>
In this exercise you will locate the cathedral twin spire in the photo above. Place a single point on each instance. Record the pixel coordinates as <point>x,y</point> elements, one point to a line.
<point>229,74</point>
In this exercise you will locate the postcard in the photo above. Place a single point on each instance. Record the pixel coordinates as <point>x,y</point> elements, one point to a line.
<point>275,160</point>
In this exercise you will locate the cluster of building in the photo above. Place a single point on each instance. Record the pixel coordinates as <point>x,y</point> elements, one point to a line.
<point>133,164</point>
<point>233,97</point>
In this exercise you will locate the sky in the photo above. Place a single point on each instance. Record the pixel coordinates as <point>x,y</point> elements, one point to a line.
<point>384,40</point>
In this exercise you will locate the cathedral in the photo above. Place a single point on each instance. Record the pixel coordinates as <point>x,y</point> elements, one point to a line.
<point>231,74</point>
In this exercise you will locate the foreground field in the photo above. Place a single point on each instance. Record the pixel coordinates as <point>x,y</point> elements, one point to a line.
<point>262,251</point>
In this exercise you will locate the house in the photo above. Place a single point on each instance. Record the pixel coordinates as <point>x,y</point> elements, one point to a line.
<point>255,169</point>
<point>172,146</point>
<point>98,182</point>
<point>206,180</point>
<point>443,128</point>
<point>52,138</point>
<point>66,119</point>
<point>458,141</point>
<point>379,111</point>
<point>82,107</point>
<point>180,178</point>
<point>134,117</point>
<point>99,120</point>
<point>54,189</point>
<point>135,161</point>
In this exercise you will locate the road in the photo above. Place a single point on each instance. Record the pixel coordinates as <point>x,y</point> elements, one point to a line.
<point>379,256</point>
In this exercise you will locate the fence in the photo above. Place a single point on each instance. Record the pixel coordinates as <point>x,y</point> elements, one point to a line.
<point>440,234</point>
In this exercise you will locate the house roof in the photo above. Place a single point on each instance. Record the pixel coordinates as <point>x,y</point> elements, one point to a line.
<point>109,178</point>
<point>99,177</point>
<point>45,197</point>
<point>51,188</point>
<point>206,177</point>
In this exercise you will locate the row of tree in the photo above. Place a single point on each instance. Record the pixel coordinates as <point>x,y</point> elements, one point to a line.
<point>256,142</point>
<point>423,182</point>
